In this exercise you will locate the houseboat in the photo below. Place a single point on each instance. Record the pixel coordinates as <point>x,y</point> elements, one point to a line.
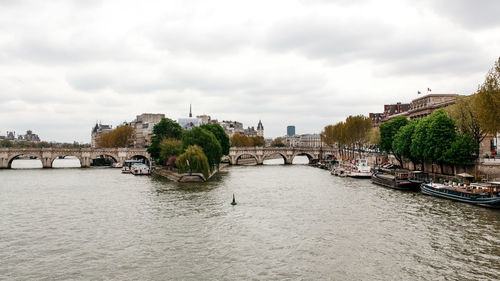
<point>485,194</point>
<point>397,180</point>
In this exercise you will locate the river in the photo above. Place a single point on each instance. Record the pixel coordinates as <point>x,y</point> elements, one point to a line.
<point>291,222</point>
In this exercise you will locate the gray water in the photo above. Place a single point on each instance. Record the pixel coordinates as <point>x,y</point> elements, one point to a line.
<point>291,222</point>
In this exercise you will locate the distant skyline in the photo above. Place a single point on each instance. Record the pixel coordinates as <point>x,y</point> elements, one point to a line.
<point>65,64</point>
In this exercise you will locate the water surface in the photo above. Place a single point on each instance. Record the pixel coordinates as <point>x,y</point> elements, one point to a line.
<point>291,222</point>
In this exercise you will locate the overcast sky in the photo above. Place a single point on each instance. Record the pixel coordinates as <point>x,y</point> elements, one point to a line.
<point>66,64</point>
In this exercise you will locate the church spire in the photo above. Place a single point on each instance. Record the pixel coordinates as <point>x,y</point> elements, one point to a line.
<point>190,114</point>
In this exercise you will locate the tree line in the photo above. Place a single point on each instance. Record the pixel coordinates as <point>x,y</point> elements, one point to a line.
<point>353,134</point>
<point>40,144</point>
<point>448,136</point>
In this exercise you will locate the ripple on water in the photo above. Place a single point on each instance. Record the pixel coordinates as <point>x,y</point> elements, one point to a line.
<point>291,222</point>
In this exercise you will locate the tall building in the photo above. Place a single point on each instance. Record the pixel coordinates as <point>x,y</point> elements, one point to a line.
<point>290,130</point>
<point>260,129</point>
<point>143,126</point>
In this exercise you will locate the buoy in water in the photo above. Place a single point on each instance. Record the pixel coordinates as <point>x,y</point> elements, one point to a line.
<point>234,201</point>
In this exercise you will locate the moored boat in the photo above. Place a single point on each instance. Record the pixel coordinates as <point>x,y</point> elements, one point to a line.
<point>398,180</point>
<point>487,195</point>
<point>126,167</point>
<point>139,169</point>
<point>360,169</point>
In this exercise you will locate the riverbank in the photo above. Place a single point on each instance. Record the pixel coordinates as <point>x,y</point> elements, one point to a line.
<point>185,177</point>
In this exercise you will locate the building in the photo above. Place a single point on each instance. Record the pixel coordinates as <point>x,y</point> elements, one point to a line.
<point>424,106</point>
<point>391,109</point>
<point>98,131</point>
<point>29,137</point>
<point>290,130</point>
<point>260,129</point>
<point>143,126</point>
<point>376,118</point>
<point>190,122</point>
<point>304,140</point>
<point>418,108</point>
<point>205,119</point>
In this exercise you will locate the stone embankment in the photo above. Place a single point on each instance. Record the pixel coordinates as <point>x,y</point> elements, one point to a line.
<point>185,177</point>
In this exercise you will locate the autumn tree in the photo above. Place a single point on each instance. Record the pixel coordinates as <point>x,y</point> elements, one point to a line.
<point>122,136</point>
<point>465,114</point>
<point>488,101</point>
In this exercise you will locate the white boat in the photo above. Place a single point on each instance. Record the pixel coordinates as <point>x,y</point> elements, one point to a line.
<point>359,169</point>
<point>128,165</point>
<point>138,169</point>
<point>117,165</point>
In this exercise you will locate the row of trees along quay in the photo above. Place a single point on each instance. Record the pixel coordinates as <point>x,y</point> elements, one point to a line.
<point>449,136</point>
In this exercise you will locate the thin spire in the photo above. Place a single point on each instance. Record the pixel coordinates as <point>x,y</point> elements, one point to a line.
<point>190,114</point>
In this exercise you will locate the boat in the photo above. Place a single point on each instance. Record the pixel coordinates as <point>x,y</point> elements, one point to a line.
<point>126,167</point>
<point>481,194</point>
<point>397,180</point>
<point>359,169</point>
<point>117,165</point>
<point>339,169</point>
<point>139,169</point>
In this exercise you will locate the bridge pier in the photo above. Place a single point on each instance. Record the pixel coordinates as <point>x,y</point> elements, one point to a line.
<point>4,161</point>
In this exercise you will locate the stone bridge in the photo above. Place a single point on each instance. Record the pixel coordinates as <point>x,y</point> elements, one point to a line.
<point>288,153</point>
<point>85,155</point>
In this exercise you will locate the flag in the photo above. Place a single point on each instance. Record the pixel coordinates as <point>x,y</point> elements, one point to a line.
<point>428,89</point>
<point>418,93</point>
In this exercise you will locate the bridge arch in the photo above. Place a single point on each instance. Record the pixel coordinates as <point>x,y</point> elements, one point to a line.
<point>302,153</point>
<point>144,158</point>
<point>242,156</point>
<point>62,154</point>
<point>267,156</point>
<point>29,154</point>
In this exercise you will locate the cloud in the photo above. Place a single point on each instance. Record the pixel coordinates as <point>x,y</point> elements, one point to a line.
<point>477,14</point>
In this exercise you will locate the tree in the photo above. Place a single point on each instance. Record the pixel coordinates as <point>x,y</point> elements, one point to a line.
<point>221,136</point>
<point>465,114</point>
<point>419,148</point>
<point>6,143</point>
<point>373,137</point>
<point>328,135</point>
<point>277,142</point>
<point>122,136</point>
<point>402,141</point>
<point>387,132</point>
<point>488,101</point>
<point>169,148</point>
<point>258,141</point>
<point>357,128</point>
<point>238,140</point>
<point>207,141</point>
<point>193,160</point>
<point>441,134</point>
<point>166,128</point>
<point>461,152</point>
